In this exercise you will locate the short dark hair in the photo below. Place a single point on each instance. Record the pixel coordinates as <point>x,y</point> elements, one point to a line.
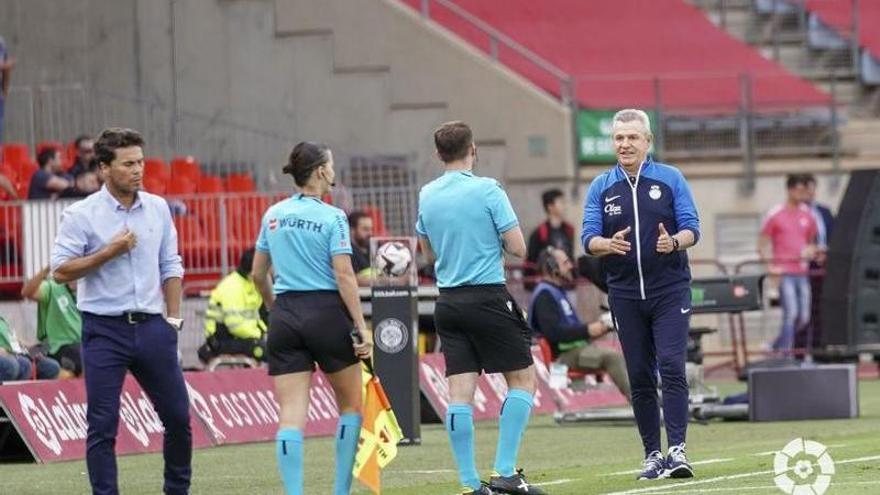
<point>47,154</point>
<point>549,196</point>
<point>794,180</point>
<point>809,179</point>
<point>355,217</point>
<point>304,159</point>
<point>112,139</point>
<point>245,262</point>
<point>79,139</point>
<point>453,141</point>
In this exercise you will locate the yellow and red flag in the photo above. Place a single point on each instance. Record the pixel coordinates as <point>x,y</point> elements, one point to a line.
<point>380,434</point>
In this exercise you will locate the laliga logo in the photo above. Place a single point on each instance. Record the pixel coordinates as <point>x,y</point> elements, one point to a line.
<point>795,468</point>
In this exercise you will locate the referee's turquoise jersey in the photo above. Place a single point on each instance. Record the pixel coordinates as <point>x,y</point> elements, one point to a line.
<point>463,216</point>
<point>302,234</point>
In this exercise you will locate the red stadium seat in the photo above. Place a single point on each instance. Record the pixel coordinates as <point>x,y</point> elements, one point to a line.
<point>15,154</point>
<point>154,185</point>
<point>547,355</point>
<point>26,170</point>
<point>180,186</point>
<point>69,155</point>
<point>378,221</point>
<point>191,242</point>
<point>240,183</point>
<point>187,167</point>
<point>210,184</point>
<point>156,168</point>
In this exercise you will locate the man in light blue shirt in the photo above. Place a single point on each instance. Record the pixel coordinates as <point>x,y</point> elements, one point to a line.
<point>122,246</point>
<point>466,223</point>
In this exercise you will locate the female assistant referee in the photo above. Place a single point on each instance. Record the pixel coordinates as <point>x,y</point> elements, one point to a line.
<point>314,306</point>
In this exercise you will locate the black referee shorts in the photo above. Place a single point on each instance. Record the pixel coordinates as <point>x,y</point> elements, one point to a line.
<point>307,328</point>
<point>481,328</point>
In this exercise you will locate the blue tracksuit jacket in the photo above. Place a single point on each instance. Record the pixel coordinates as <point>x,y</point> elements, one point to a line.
<point>659,194</point>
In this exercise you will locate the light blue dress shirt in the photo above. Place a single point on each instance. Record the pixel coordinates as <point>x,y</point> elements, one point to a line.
<point>131,281</point>
<point>464,217</point>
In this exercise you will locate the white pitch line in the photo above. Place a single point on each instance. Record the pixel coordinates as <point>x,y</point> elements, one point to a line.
<point>738,489</point>
<point>773,452</point>
<point>655,489</point>
<point>697,463</point>
<point>423,471</point>
<point>556,482</point>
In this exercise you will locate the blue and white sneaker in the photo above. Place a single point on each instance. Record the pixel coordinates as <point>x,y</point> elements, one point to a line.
<point>677,465</point>
<point>653,467</point>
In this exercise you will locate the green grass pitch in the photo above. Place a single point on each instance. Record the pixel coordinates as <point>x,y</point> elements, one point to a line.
<point>732,458</point>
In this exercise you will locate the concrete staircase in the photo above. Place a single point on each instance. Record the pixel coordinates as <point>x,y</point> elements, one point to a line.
<point>783,38</point>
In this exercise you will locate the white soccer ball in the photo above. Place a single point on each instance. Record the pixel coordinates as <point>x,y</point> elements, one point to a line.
<point>393,258</point>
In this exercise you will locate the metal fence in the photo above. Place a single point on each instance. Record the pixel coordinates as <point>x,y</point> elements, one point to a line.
<point>62,112</point>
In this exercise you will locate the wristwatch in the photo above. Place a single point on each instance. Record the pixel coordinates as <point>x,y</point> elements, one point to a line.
<point>177,323</point>
<point>675,244</point>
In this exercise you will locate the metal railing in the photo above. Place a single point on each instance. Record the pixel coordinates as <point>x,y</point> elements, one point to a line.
<point>498,41</point>
<point>746,128</point>
<point>743,116</point>
<point>788,26</point>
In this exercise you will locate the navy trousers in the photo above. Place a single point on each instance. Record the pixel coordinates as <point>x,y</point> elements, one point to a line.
<point>653,333</point>
<point>111,347</point>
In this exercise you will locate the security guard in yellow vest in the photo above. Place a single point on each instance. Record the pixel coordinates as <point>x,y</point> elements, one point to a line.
<point>235,321</point>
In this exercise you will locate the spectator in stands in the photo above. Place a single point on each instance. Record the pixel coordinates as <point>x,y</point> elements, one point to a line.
<point>16,363</point>
<point>552,316</point>
<point>6,65</point>
<point>555,231</point>
<point>235,321</point>
<point>361,225</point>
<point>50,181</point>
<point>84,184</point>
<point>59,323</point>
<point>85,156</point>
<point>787,244</point>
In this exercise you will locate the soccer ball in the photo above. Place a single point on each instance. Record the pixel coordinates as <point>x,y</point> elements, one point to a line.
<point>393,258</point>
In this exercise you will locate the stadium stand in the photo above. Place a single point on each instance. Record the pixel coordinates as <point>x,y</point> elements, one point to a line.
<point>740,91</point>
<point>837,16</point>
<point>613,74</point>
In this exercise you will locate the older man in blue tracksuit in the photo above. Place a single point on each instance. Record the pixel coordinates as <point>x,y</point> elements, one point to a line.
<point>641,217</point>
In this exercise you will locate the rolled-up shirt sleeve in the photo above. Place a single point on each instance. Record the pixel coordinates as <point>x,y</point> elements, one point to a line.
<point>592,224</point>
<point>70,242</point>
<point>170,263</point>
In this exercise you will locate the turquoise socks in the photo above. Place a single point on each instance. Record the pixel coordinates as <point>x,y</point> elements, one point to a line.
<point>514,418</point>
<point>289,450</point>
<point>348,432</point>
<point>460,426</point>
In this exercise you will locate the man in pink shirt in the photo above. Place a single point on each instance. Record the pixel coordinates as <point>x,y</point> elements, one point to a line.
<point>790,230</point>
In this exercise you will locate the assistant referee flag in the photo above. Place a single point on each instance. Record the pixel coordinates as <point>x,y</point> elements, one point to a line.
<point>380,434</point>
